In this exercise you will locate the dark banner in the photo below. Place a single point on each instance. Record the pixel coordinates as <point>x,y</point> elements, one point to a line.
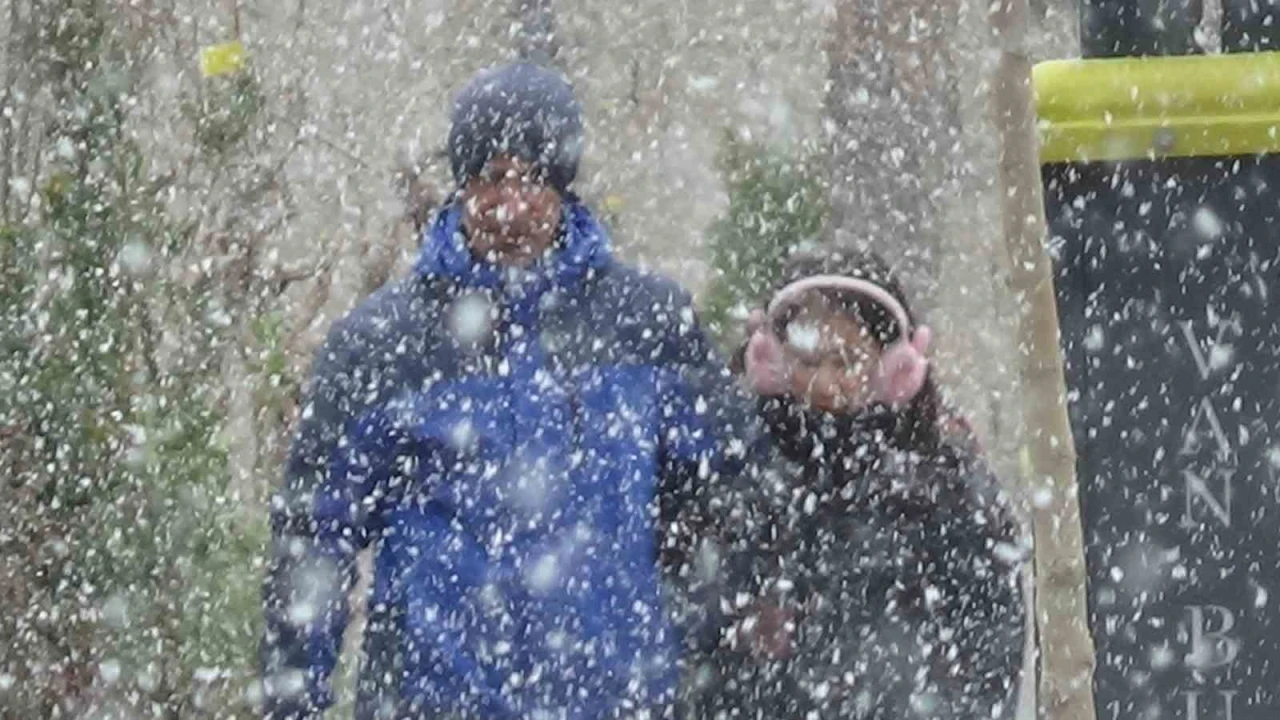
<point>1168,274</point>
<point>1132,28</point>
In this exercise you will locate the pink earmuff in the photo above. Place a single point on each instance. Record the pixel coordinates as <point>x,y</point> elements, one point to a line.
<point>904,365</point>
<point>903,368</point>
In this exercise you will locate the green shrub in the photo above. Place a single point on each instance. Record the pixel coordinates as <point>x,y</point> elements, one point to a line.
<point>776,204</point>
<point>136,577</point>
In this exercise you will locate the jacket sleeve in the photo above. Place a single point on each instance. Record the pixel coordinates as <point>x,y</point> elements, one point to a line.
<point>956,604</point>
<point>709,443</point>
<point>320,520</point>
<point>976,573</point>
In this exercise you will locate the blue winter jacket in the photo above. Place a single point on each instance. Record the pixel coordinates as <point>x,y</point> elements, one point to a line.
<point>517,448</point>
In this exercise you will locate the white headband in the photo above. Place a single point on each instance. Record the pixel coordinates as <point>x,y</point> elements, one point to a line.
<point>840,282</point>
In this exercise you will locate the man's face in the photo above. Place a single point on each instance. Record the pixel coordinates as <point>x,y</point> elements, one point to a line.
<point>509,212</point>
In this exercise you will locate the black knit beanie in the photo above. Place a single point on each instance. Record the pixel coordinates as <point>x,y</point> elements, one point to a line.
<point>522,110</point>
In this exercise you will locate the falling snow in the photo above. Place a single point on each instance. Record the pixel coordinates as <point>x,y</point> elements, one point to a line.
<point>804,337</point>
<point>470,319</point>
<point>296,355</point>
<point>1207,223</point>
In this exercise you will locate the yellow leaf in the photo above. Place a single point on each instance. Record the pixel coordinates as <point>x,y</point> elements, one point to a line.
<point>223,59</point>
<point>613,203</point>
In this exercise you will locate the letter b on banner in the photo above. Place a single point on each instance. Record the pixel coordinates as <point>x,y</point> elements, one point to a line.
<point>1212,648</point>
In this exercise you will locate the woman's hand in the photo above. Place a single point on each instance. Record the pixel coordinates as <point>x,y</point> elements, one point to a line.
<point>768,631</point>
<point>765,363</point>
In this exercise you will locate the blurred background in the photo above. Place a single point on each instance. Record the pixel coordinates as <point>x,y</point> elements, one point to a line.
<point>191,192</point>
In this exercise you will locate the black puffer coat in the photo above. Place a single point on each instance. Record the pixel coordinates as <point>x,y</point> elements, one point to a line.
<point>902,571</point>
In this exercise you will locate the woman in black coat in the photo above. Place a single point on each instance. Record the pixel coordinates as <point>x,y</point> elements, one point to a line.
<point>882,556</point>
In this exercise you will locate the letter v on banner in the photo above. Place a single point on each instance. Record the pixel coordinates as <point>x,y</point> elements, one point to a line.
<point>1205,365</point>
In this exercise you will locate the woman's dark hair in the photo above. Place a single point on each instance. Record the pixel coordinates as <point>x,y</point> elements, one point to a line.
<point>918,426</point>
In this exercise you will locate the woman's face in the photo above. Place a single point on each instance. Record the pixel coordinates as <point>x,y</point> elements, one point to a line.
<point>832,358</point>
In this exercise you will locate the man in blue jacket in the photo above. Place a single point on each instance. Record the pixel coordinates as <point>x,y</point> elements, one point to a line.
<point>528,433</point>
